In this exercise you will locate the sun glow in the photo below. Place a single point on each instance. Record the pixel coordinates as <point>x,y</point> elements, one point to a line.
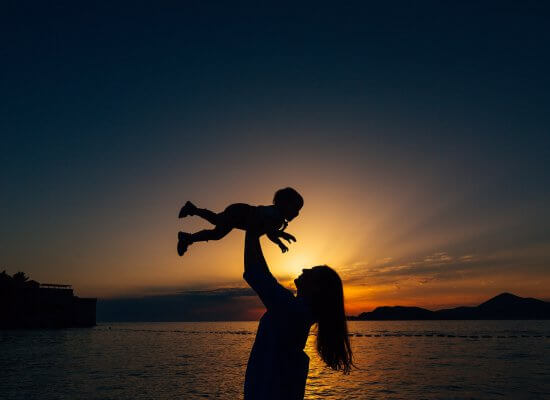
<point>296,263</point>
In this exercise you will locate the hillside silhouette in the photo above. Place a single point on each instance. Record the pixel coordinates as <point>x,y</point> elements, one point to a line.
<point>503,306</point>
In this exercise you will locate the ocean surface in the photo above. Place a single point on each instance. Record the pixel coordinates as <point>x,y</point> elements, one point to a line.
<point>396,360</point>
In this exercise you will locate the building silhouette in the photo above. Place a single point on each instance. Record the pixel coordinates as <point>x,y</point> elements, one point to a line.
<point>28,304</point>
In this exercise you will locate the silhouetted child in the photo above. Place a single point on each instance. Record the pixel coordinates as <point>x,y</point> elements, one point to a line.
<point>271,220</point>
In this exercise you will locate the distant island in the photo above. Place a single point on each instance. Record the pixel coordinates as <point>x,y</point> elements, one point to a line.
<point>26,303</point>
<point>503,306</point>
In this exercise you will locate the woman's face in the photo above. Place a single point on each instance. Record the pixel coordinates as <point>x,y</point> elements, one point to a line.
<point>306,282</point>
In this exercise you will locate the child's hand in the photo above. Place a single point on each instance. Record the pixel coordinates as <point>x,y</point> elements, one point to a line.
<point>283,248</point>
<point>287,236</point>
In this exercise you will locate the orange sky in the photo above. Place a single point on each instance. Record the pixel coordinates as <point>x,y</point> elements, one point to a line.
<point>392,244</point>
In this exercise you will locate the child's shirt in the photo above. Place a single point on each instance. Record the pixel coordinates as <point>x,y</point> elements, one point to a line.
<point>270,218</point>
<point>262,218</point>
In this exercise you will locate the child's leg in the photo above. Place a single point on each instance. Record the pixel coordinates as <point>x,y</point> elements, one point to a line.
<point>210,234</point>
<point>185,239</point>
<point>225,221</point>
<point>190,209</point>
<point>208,215</point>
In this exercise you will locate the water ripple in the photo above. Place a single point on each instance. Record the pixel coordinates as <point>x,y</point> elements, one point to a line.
<point>397,360</point>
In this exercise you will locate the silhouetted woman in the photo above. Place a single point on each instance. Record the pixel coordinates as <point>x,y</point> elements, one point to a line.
<point>278,367</point>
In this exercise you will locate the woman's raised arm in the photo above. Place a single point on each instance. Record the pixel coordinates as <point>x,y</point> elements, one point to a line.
<point>258,276</point>
<point>254,261</point>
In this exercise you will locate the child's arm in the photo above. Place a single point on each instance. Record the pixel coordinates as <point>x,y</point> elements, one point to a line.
<point>274,237</point>
<point>286,236</point>
<point>273,228</point>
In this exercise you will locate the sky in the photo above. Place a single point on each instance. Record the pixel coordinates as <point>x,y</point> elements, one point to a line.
<point>418,134</point>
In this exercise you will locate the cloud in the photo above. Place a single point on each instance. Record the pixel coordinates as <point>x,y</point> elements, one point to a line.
<point>421,270</point>
<point>438,258</point>
<point>220,292</point>
<point>467,258</point>
<point>221,304</point>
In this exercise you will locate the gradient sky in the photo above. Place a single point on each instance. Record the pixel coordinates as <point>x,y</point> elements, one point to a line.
<point>418,134</point>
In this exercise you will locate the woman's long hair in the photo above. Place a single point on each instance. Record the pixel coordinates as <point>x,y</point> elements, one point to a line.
<point>332,331</point>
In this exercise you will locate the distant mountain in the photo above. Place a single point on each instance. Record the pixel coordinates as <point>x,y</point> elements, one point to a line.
<point>503,306</point>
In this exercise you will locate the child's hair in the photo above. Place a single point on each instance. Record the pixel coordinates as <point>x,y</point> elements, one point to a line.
<point>288,195</point>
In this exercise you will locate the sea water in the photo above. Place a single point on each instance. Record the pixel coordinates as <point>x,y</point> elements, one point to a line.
<point>395,360</point>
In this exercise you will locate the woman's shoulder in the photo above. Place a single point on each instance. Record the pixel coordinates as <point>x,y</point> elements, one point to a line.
<point>297,306</point>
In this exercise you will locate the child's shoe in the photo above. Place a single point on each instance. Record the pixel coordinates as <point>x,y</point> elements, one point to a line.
<point>184,240</point>
<point>188,209</point>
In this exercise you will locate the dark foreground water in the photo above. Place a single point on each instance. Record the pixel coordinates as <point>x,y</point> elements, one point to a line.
<point>397,360</point>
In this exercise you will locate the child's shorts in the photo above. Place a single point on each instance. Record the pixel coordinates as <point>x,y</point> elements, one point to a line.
<point>236,216</point>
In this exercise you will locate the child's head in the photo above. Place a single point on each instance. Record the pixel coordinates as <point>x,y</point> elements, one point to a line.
<point>289,202</point>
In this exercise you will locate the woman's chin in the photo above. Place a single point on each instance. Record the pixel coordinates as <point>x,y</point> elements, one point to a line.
<point>297,283</point>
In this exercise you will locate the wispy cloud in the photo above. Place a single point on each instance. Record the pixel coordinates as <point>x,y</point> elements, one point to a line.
<point>438,258</point>
<point>421,270</point>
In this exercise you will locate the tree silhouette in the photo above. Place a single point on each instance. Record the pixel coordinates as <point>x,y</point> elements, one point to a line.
<point>5,280</point>
<point>20,279</point>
